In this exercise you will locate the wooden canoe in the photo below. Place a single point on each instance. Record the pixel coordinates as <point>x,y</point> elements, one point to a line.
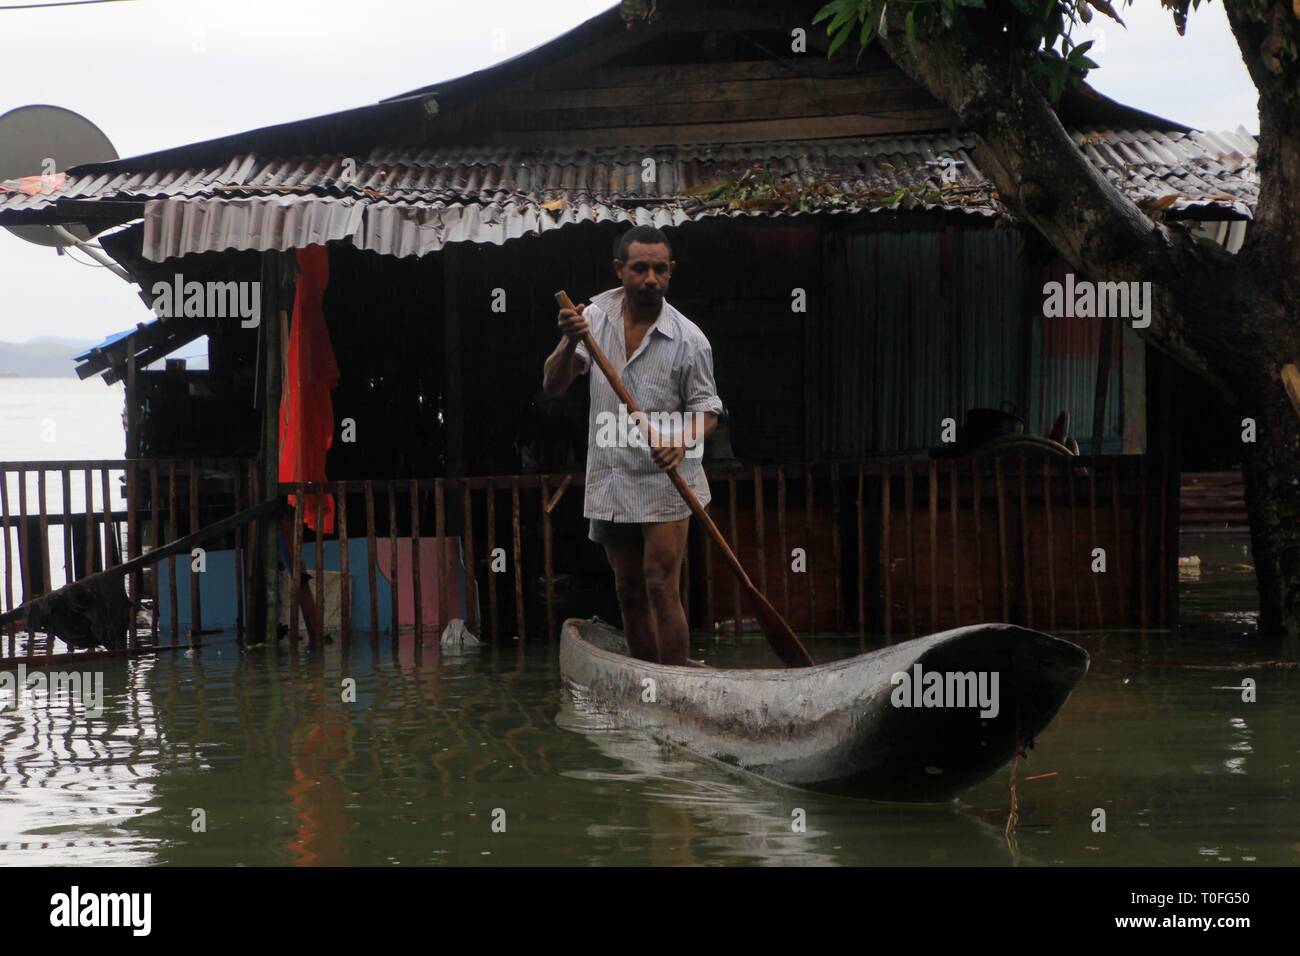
<point>849,726</point>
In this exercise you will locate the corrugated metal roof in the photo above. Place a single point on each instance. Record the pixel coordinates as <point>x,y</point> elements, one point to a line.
<point>413,201</point>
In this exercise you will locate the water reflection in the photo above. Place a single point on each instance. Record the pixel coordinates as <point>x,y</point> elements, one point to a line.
<point>692,811</point>
<point>65,774</point>
<point>285,763</point>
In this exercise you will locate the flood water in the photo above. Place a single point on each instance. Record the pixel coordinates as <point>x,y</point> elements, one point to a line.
<point>221,757</point>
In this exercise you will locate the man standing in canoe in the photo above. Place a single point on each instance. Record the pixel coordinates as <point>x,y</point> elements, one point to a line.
<point>667,365</point>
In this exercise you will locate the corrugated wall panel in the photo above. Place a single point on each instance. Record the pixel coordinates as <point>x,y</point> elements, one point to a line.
<point>918,326</point>
<point>1064,373</point>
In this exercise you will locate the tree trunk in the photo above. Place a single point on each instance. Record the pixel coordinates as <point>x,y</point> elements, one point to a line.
<point>1230,319</point>
<point>1272,473</point>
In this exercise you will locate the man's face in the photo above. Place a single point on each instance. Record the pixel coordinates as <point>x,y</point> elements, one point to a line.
<point>645,273</point>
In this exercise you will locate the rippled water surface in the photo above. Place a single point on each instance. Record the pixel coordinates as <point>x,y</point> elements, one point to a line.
<point>261,747</point>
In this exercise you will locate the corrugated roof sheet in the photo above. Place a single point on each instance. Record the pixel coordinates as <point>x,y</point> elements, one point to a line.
<point>414,201</point>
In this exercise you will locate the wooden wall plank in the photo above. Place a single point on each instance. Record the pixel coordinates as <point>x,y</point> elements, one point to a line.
<point>770,87</point>
<point>747,131</point>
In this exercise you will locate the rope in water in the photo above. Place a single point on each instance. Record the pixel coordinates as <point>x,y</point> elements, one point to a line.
<point>1013,818</point>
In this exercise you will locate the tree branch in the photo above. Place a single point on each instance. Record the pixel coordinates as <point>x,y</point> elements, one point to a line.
<point>1198,295</point>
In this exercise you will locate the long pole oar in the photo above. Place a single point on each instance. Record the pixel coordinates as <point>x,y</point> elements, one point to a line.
<point>779,635</point>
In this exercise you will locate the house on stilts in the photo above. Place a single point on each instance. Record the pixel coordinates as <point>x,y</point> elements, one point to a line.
<point>867,297</point>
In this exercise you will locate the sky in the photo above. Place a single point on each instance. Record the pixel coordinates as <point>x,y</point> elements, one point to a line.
<point>159,73</point>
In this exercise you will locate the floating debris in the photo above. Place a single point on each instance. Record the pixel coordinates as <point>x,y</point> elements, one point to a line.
<point>456,634</point>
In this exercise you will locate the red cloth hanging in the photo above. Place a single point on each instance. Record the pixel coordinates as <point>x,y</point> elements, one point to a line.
<point>306,411</point>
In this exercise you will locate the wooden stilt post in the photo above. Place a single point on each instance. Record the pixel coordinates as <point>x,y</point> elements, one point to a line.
<point>471,571</point>
<point>265,613</point>
<point>43,524</point>
<point>1026,578</point>
<point>239,561</point>
<point>837,552</point>
<point>1096,543</point>
<point>909,508</point>
<point>65,478</point>
<point>132,545</point>
<point>733,508</point>
<point>548,558</point>
<point>173,532</point>
<point>345,569</point>
<point>760,535</point>
<point>491,552</point>
<point>933,480</point>
<point>977,506</point>
<point>887,549</point>
<point>1003,571</point>
<point>318,572</point>
<point>1051,542</point>
<point>155,538</point>
<point>295,569</point>
<point>372,556</point>
<point>9,562</point>
<point>1074,547</point>
<point>196,598</point>
<point>1144,519</point>
<point>862,556</point>
<point>417,588</point>
<point>518,558</point>
<point>1117,562</point>
<point>1105,354</point>
<point>110,533</point>
<point>89,524</point>
<point>392,555</point>
<point>811,568</point>
<point>780,533</point>
<point>440,535</point>
<point>954,494</point>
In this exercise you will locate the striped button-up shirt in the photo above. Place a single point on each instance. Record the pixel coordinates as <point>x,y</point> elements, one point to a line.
<point>671,371</point>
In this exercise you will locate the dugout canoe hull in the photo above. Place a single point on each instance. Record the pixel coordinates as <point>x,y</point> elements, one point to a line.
<point>848,726</point>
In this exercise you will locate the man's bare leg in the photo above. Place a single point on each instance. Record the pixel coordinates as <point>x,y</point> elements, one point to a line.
<point>629,579</point>
<point>665,543</point>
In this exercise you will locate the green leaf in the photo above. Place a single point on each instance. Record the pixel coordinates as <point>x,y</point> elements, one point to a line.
<point>1077,53</point>
<point>868,32</point>
<point>838,41</point>
<point>1060,71</point>
<point>844,16</point>
<point>909,23</point>
<point>826,11</point>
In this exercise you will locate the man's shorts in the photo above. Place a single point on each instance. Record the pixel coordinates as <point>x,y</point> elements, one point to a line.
<point>615,532</point>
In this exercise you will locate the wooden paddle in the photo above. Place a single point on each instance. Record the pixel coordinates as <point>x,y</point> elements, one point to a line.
<point>779,635</point>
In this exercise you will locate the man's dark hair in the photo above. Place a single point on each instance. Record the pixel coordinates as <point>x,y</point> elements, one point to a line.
<point>648,235</point>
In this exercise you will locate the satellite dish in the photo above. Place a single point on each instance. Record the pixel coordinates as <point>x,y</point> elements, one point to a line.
<point>33,136</point>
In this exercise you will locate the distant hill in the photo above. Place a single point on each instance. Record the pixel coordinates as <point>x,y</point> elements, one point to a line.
<point>78,345</point>
<point>46,356</point>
